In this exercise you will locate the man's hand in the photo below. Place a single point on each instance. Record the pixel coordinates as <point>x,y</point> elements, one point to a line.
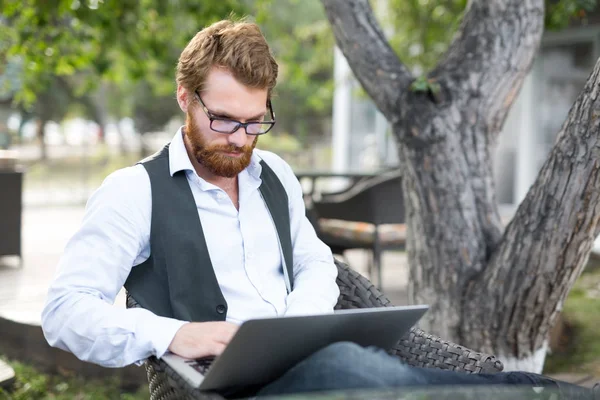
<point>202,339</point>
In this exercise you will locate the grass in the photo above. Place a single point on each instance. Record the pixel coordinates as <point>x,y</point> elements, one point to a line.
<point>77,170</point>
<point>33,385</point>
<point>582,313</point>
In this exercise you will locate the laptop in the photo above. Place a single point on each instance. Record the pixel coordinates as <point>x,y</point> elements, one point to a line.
<point>264,349</point>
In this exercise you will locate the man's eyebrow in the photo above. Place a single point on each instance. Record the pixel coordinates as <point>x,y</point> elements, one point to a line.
<point>224,114</point>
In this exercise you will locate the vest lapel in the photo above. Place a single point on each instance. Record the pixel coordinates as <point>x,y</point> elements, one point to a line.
<point>275,197</point>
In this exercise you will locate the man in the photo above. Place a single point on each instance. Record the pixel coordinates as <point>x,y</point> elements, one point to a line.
<point>201,279</point>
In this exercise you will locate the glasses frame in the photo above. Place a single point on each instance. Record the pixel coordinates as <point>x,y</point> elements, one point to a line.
<point>245,125</point>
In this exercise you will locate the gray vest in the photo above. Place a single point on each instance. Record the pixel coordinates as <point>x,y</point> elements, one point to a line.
<point>178,280</point>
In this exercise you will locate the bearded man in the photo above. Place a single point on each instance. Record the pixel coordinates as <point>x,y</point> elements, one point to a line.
<point>193,234</point>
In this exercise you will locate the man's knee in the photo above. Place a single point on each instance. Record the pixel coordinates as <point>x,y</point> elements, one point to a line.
<point>341,351</point>
<point>360,367</point>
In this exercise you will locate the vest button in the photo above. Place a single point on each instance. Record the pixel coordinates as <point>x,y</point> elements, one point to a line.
<point>221,309</point>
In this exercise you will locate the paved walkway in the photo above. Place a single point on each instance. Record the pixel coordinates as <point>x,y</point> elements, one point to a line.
<point>23,288</point>
<point>7,375</point>
<point>46,231</point>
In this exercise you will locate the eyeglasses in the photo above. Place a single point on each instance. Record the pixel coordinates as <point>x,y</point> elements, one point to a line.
<point>226,125</point>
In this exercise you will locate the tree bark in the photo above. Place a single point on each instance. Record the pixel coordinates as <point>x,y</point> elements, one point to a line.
<point>547,244</point>
<point>487,290</point>
<point>373,61</point>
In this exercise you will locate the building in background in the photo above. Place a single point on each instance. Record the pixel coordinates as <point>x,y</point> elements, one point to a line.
<point>362,137</point>
<point>557,77</point>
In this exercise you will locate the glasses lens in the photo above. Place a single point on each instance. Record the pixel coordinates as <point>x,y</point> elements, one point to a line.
<point>224,126</point>
<point>257,129</point>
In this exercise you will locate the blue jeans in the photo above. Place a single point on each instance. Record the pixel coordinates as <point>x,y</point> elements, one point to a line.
<point>347,366</point>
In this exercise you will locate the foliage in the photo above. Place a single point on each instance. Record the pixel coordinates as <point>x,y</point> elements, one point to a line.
<point>33,385</point>
<point>421,30</point>
<point>152,112</point>
<point>128,42</point>
<point>132,46</point>
<point>560,13</point>
<point>418,29</point>
<point>582,311</point>
<point>52,101</point>
<point>302,42</point>
<point>117,39</point>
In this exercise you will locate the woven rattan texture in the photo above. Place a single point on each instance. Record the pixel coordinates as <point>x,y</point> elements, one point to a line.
<point>415,348</point>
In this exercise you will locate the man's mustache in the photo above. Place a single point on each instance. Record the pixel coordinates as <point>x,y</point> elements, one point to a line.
<point>230,149</point>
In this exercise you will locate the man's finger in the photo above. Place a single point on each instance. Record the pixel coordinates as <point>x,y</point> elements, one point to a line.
<point>226,334</point>
<point>217,348</point>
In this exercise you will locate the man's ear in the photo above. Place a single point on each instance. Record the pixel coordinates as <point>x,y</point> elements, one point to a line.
<point>183,98</point>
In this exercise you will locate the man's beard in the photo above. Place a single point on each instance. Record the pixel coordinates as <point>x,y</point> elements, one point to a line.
<point>213,157</point>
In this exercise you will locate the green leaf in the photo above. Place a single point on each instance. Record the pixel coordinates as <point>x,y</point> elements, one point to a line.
<point>64,68</point>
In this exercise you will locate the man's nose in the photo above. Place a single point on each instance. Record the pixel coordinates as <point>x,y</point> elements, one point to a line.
<point>238,138</point>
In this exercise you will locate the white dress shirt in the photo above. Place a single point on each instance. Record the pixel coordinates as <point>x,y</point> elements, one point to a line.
<point>114,237</point>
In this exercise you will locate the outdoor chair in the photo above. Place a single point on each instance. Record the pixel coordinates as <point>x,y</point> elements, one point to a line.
<point>415,348</point>
<point>368,215</point>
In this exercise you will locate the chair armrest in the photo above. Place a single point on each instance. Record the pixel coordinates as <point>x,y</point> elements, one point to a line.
<point>421,349</point>
<point>416,348</point>
<point>166,384</point>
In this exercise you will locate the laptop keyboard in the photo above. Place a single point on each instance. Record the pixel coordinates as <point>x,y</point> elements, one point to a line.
<point>201,364</point>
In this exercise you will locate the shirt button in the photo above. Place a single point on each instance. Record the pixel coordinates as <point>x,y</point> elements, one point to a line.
<point>250,255</point>
<point>221,309</point>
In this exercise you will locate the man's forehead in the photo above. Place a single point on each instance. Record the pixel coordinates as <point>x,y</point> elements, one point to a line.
<point>234,100</point>
<point>222,80</point>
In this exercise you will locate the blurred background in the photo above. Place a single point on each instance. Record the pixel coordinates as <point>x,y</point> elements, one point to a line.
<point>88,86</point>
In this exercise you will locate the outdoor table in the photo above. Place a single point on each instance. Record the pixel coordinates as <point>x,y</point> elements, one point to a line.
<point>314,175</point>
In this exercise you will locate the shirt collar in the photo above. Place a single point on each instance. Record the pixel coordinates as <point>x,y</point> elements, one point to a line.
<point>180,161</point>
<point>178,157</point>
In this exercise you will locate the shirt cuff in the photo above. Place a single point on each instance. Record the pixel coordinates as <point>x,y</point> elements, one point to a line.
<point>160,331</point>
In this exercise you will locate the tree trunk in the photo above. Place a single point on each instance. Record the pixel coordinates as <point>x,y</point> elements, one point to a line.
<point>548,242</point>
<point>494,292</point>
<point>41,135</point>
<point>122,140</point>
<point>144,148</point>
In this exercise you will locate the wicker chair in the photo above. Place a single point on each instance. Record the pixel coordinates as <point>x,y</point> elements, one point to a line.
<point>416,348</point>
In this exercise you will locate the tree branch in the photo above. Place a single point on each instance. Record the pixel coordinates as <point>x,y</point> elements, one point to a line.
<point>85,100</point>
<point>546,246</point>
<point>368,52</point>
<point>491,54</point>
